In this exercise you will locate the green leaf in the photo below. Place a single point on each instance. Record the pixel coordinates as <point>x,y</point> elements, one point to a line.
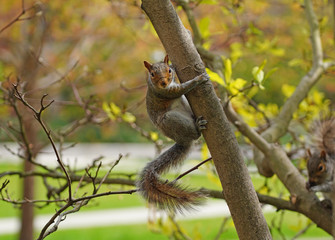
<point>107,109</point>
<point>115,109</point>
<point>227,70</point>
<point>269,73</point>
<point>204,27</point>
<point>215,77</point>
<point>279,52</point>
<point>209,2</point>
<point>252,30</point>
<point>296,62</point>
<point>128,117</point>
<point>287,90</point>
<point>153,136</point>
<point>258,74</point>
<point>236,86</point>
<point>236,51</point>
<point>204,151</point>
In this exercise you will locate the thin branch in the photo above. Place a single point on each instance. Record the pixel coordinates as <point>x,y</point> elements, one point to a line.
<point>282,121</point>
<point>192,169</point>
<point>303,231</point>
<point>17,18</point>
<point>191,19</point>
<point>74,177</point>
<point>315,34</point>
<point>246,130</point>
<point>279,203</point>
<point>61,76</point>
<point>109,171</point>
<point>38,116</point>
<point>319,67</point>
<point>222,227</point>
<point>60,213</point>
<point>212,60</point>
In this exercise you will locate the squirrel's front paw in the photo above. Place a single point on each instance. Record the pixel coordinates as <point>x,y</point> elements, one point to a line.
<point>201,123</point>
<point>204,77</point>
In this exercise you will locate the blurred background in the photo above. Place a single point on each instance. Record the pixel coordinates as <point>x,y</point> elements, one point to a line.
<point>87,58</point>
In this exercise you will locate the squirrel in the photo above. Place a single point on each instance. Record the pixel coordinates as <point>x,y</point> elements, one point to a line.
<point>171,113</point>
<point>321,162</point>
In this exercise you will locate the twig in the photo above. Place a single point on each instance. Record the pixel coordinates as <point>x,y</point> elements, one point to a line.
<point>17,18</point>
<point>222,228</point>
<point>302,231</point>
<point>62,214</point>
<point>74,177</point>
<point>319,67</point>
<point>192,169</point>
<point>61,76</point>
<point>38,116</point>
<point>109,171</point>
<point>178,230</point>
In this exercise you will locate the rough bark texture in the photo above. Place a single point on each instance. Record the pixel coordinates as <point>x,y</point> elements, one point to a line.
<point>236,183</point>
<point>302,201</point>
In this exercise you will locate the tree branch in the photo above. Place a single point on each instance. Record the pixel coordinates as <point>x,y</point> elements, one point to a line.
<point>17,18</point>
<point>38,116</point>
<point>302,201</point>
<point>236,183</point>
<point>282,121</point>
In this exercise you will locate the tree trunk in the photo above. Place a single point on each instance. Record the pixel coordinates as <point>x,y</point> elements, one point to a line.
<point>34,32</point>
<point>27,212</point>
<point>236,183</point>
<point>30,134</point>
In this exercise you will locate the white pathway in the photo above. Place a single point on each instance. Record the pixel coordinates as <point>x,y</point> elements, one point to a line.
<point>115,217</point>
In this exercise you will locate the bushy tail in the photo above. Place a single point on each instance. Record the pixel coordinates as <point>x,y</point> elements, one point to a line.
<point>167,195</point>
<point>325,135</point>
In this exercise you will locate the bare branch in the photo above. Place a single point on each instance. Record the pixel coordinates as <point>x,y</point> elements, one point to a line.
<point>192,169</point>
<point>17,18</point>
<point>109,171</point>
<point>246,130</point>
<point>281,122</point>
<point>47,132</point>
<point>60,214</point>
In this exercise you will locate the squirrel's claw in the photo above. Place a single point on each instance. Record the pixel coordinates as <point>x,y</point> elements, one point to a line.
<point>201,123</point>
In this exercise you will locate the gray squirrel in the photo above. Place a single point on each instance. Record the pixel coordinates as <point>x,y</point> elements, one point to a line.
<point>321,162</point>
<point>170,112</point>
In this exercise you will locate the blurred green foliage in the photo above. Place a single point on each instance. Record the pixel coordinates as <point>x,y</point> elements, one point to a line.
<point>99,48</point>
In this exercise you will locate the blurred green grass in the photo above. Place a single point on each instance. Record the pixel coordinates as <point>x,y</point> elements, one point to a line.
<point>195,229</point>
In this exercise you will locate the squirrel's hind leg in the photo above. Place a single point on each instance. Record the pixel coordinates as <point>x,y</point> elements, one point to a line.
<point>180,127</point>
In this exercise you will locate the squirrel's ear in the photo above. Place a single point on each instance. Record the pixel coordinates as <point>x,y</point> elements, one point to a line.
<point>147,65</point>
<point>309,152</point>
<point>323,155</point>
<point>166,59</point>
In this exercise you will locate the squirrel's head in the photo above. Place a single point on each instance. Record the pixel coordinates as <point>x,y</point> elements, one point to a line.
<point>319,168</point>
<point>161,74</point>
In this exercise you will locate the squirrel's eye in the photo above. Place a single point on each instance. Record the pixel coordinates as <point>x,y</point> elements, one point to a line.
<point>320,168</point>
<point>170,70</point>
<point>152,74</point>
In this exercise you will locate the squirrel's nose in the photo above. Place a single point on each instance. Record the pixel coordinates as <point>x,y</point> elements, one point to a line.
<point>163,83</point>
<point>310,184</point>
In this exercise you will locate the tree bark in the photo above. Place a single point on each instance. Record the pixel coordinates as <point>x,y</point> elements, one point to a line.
<point>236,183</point>
<point>29,135</point>
<point>27,210</point>
<point>28,68</point>
<point>303,201</point>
